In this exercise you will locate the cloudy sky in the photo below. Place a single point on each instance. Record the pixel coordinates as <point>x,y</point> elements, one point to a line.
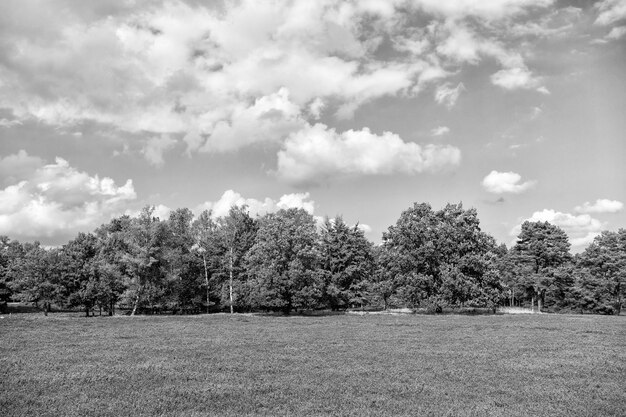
<point>359,108</point>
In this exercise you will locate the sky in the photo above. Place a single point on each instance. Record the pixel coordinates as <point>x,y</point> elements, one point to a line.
<point>356,108</point>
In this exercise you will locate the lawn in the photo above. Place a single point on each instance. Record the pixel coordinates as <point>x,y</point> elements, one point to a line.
<point>504,365</point>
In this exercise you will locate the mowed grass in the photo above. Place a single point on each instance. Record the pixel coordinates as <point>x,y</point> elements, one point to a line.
<point>505,365</point>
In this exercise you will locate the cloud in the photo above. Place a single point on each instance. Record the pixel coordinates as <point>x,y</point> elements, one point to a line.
<point>515,78</point>
<point>505,182</point>
<point>232,198</point>
<point>206,72</point>
<point>486,9</point>
<point>55,201</point>
<point>616,33</point>
<point>440,131</point>
<point>9,123</point>
<point>601,205</point>
<point>317,153</point>
<point>447,95</point>
<point>17,167</point>
<point>155,147</point>
<point>581,229</point>
<point>221,77</point>
<point>610,11</point>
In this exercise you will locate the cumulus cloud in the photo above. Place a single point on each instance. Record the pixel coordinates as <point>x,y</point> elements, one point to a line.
<point>54,201</point>
<point>440,131</point>
<point>232,198</point>
<point>601,205</point>
<point>581,229</point>
<point>16,167</point>
<point>223,77</point>
<point>317,153</point>
<point>610,11</point>
<point>505,182</point>
<point>616,33</point>
<point>514,79</point>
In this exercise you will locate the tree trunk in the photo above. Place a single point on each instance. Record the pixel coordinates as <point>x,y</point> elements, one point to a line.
<point>532,303</point>
<point>46,308</point>
<point>230,283</point>
<point>206,281</point>
<point>136,303</point>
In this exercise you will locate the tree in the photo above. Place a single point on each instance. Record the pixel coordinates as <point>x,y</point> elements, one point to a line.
<point>604,280</point>
<point>541,247</point>
<point>284,262</point>
<point>441,258</point>
<point>9,251</point>
<point>182,266</point>
<point>348,262</point>
<point>31,277</point>
<point>113,254</point>
<point>204,233</point>
<point>78,273</point>
<point>144,261</point>
<point>235,236</point>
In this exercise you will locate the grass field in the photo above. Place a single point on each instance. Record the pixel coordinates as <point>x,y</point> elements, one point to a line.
<point>525,365</point>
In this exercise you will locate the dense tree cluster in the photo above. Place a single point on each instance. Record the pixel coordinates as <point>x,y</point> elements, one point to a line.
<point>285,261</point>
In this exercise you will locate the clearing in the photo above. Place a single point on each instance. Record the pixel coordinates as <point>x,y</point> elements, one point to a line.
<point>501,365</point>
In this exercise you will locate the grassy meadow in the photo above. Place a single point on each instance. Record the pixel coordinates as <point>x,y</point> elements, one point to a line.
<point>502,365</point>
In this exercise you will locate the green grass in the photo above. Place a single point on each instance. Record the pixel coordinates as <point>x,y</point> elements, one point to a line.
<point>539,365</point>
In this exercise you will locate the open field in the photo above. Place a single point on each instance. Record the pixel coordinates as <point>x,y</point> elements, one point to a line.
<point>539,365</point>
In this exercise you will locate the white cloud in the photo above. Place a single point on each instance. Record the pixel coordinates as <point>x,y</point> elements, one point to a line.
<point>318,153</point>
<point>505,182</point>
<point>543,90</point>
<point>515,78</point>
<point>616,33</point>
<point>460,44</point>
<point>155,147</point>
<point>269,119</point>
<point>232,198</point>
<point>447,95</point>
<point>581,229</point>
<point>440,131</point>
<point>486,9</point>
<point>220,78</point>
<point>601,205</point>
<point>17,167</point>
<point>55,201</point>
<point>610,11</point>
<point>9,123</point>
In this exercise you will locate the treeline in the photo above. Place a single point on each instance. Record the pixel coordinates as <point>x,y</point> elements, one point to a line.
<point>283,261</point>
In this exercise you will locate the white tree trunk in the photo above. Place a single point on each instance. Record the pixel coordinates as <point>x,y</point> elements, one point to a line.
<point>230,283</point>
<point>136,303</point>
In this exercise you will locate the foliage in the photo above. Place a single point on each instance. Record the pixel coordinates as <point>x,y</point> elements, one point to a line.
<point>283,262</point>
<point>541,249</point>
<point>347,263</point>
<point>430,259</point>
<point>440,258</point>
<point>603,281</point>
